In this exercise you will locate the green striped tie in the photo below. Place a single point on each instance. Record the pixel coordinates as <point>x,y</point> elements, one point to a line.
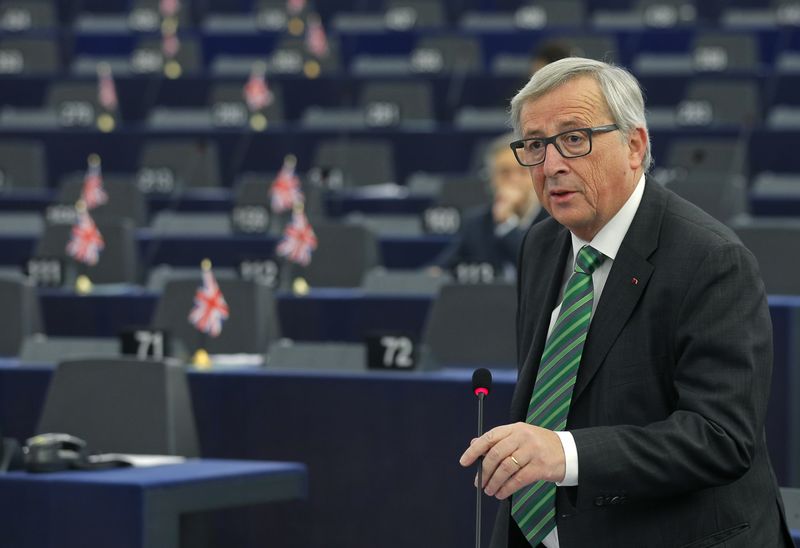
<point>533,507</point>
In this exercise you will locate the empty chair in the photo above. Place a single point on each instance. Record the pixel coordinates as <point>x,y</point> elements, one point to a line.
<point>22,165</point>
<point>719,51</point>
<point>709,103</point>
<point>29,223</point>
<point>40,348</point>
<point>118,261</point>
<point>442,53</point>
<point>125,200</point>
<point>24,15</point>
<point>186,223</point>
<point>416,14</point>
<point>290,56</point>
<point>354,162</point>
<point>148,58</point>
<point>722,196</point>
<point>21,306</point>
<point>122,406</point>
<point>343,256</point>
<point>251,326</point>
<point>550,13</point>
<point>464,192</point>
<point>699,155</point>
<point>648,13</point>
<point>407,226</point>
<point>29,56</point>
<point>227,103</point>
<point>379,280</point>
<point>393,103</point>
<point>159,275</point>
<point>471,325</point>
<point>75,104</point>
<point>166,166</point>
<point>770,239</point>
<point>326,356</point>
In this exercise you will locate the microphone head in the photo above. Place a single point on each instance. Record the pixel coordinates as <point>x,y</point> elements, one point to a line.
<point>481,381</point>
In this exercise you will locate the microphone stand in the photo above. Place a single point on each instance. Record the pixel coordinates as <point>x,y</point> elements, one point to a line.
<point>479,488</point>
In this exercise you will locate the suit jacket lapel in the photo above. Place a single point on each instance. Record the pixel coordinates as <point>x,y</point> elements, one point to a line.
<point>551,272</point>
<point>626,283</point>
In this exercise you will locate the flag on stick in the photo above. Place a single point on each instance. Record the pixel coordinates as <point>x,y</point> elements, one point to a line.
<point>210,308</point>
<point>93,194</point>
<point>285,192</point>
<point>85,242</point>
<point>298,239</point>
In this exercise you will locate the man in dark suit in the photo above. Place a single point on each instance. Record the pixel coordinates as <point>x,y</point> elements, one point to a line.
<point>641,405</point>
<point>492,234</point>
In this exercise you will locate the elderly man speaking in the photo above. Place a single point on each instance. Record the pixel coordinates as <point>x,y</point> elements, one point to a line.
<point>644,345</point>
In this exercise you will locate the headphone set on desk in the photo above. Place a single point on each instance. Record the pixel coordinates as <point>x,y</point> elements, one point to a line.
<point>53,452</point>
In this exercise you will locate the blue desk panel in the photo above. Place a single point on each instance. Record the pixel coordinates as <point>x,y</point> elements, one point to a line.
<point>133,507</point>
<point>381,448</point>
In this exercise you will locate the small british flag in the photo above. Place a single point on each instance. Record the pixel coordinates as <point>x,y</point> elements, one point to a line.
<point>298,240</point>
<point>93,194</point>
<point>210,308</point>
<point>106,89</point>
<point>85,242</point>
<point>169,8</point>
<point>256,91</point>
<point>294,7</point>
<point>316,39</point>
<point>285,192</point>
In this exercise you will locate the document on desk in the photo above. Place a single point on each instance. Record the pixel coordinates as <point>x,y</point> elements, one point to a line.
<point>139,461</point>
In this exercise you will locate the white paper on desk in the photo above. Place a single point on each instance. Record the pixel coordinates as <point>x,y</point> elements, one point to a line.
<point>145,460</point>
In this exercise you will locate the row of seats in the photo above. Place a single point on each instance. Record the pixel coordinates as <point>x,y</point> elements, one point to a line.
<point>368,104</point>
<point>172,167</point>
<point>140,15</point>
<point>497,54</point>
<point>347,253</point>
<point>462,320</point>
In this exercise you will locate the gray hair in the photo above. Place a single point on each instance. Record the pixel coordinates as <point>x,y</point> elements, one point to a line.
<point>619,87</point>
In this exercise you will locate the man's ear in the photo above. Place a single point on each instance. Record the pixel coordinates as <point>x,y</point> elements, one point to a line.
<point>637,146</point>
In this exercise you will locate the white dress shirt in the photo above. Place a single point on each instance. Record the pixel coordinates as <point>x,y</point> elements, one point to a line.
<point>607,242</point>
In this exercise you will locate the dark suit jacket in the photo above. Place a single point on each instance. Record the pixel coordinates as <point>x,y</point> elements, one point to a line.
<point>476,242</point>
<point>668,407</point>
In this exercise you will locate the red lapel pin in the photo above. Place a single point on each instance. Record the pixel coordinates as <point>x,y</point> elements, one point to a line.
<point>635,281</point>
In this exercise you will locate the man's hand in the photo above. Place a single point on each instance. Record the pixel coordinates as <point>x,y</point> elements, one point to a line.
<point>516,455</point>
<point>508,200</point>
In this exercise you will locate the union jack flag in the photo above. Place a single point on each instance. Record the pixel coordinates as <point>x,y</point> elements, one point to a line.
<point>295,6</point>
<point>210,308</point>
<point>298,240</point>
<point>85,242</point>
<point>316,40</point>
<point>106,89</point>
<point>169,8</point>
<point>93,193</point>
<point>256,91</point>
<point>285,190</point>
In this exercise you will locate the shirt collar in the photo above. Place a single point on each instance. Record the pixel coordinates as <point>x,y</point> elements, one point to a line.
<point>610,237</point>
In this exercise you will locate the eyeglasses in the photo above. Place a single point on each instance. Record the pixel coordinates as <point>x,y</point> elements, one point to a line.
<point>573,143</point>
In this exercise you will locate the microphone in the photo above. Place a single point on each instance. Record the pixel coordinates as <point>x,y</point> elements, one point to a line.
<point>481,384</point>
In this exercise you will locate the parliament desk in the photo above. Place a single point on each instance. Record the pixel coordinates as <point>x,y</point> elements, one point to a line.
<point>381,448</point>
<point>134,507</point>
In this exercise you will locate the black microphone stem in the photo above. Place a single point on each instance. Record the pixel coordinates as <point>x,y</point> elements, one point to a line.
<point>480,477</point>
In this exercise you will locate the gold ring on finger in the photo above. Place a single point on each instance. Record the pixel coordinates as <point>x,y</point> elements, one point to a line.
<point>516,462</point>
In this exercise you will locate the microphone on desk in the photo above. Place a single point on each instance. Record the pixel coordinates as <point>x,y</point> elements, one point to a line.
<point>481,384</point>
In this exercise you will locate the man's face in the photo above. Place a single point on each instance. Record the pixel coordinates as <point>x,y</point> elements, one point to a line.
<point>584,193</point>
<point>508,177</point>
